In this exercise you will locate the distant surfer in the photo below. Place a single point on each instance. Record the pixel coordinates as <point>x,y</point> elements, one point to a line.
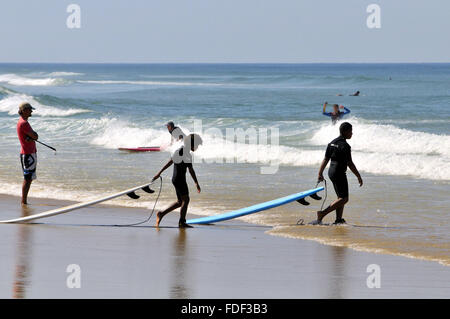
<point>182,161</point>
<point>339,152</point>
<point>28,157</point>
<point>176,133</point>
<point>355,94</point>
<point>336,114</point>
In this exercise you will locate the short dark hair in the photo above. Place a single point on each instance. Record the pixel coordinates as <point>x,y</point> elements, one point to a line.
<point>171,124</point>
<point>345,127</point>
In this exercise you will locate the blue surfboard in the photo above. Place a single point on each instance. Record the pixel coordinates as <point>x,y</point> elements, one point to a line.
<point>254,209</point>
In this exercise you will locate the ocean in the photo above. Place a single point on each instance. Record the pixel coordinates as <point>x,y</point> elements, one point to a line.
<point>264,137</point>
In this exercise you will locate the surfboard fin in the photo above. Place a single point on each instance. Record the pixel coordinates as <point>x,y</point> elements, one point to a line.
<point>315,196</point>
<point>147,189</point>
<point>133,195</point>
<point>302,201</point>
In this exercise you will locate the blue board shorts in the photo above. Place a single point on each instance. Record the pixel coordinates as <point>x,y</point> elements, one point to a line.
<point>29,163</point>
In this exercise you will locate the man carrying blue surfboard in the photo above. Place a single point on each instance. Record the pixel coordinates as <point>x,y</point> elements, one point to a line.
<point>339,152</point>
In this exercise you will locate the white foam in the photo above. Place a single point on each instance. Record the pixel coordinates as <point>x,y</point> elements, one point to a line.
<point>158,83</point>
<point>116,133</point>
<point>386,149</point>
<point>64,73</point>
<point>17,80</point>
<point>426,158</point>
<point>387,139</point>
<point>11,103</point>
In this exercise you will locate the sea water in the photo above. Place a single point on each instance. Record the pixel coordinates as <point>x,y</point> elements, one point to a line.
<point>400,143</point>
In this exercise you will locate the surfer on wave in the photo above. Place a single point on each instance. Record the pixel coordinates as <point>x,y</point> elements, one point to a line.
<point>336,114</point>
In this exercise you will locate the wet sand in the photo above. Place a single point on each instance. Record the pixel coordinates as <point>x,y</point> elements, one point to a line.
<point>228,260</point>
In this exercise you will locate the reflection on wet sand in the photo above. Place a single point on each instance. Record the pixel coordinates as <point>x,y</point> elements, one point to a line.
<point>335,264</point>
<point>179,288</point>
<point>22,269</point>
<point>339,270</point>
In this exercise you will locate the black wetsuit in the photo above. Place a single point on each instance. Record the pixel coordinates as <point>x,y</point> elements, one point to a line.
<point>339,152</point>
<point>181,162</point>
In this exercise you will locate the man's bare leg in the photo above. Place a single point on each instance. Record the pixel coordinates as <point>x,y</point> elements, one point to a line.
<point>339,213</point>
<point>184,206</point>
<point>161,214</point>
<point>338,204</point>
<point>25,189</point>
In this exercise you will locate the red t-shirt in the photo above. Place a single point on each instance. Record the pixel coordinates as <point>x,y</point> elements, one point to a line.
<point>27,147</point>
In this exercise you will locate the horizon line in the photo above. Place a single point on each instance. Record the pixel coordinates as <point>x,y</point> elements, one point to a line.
<point>434,62</point>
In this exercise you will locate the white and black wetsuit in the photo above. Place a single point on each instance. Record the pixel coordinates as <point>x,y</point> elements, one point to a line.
<point>339,152</point>
<point>181,161</point>
<point>177,134</point>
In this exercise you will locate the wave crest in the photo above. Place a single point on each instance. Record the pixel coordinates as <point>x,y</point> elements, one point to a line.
<point>11,102</point>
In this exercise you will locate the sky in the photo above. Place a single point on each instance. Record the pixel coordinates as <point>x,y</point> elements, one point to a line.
<point>224,31</point>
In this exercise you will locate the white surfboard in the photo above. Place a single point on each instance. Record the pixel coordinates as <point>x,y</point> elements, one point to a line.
<point>69,208</point>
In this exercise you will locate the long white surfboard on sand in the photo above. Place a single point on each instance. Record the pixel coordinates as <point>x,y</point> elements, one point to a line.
<point>255,208</point>
<point>69,208</point>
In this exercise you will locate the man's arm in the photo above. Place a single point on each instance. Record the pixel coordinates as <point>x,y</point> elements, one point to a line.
<point>194,177</point>
<point>355,171</point>
<point>346,110</point>
<point>324,108</point>
<point>28,132</point>
<point>322,168</point>
<point>33,135</point>
<point>162,170</point>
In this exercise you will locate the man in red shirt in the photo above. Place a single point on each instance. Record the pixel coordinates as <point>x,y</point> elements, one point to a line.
<point>28,158</point>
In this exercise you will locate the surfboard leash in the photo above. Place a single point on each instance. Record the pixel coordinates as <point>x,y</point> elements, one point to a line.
<point>301,220</point>
<point>153,209</point>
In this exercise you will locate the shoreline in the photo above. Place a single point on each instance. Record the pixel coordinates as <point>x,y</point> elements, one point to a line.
<point>380,251</point>
<point>273,230</point>
<point>231,259</point>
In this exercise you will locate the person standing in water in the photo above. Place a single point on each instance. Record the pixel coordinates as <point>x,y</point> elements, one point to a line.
<point>336,114</point>
<point>182,161</point>
<point>339,152</point>
<point>28,157</point>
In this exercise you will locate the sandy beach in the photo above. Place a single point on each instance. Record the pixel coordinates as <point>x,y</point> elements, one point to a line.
<point>232,259</point>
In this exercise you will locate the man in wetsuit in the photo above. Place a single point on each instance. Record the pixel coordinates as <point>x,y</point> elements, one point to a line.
<point>176,133</point>
<point>28,157</point>
<point>339,152</point>
<point>336,114</point>
<point>182,160</point>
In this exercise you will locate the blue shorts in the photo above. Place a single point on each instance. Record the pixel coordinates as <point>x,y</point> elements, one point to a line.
<point>29,163</point>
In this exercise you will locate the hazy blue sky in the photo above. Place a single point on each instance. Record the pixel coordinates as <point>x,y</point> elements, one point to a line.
<point>225,31</point>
